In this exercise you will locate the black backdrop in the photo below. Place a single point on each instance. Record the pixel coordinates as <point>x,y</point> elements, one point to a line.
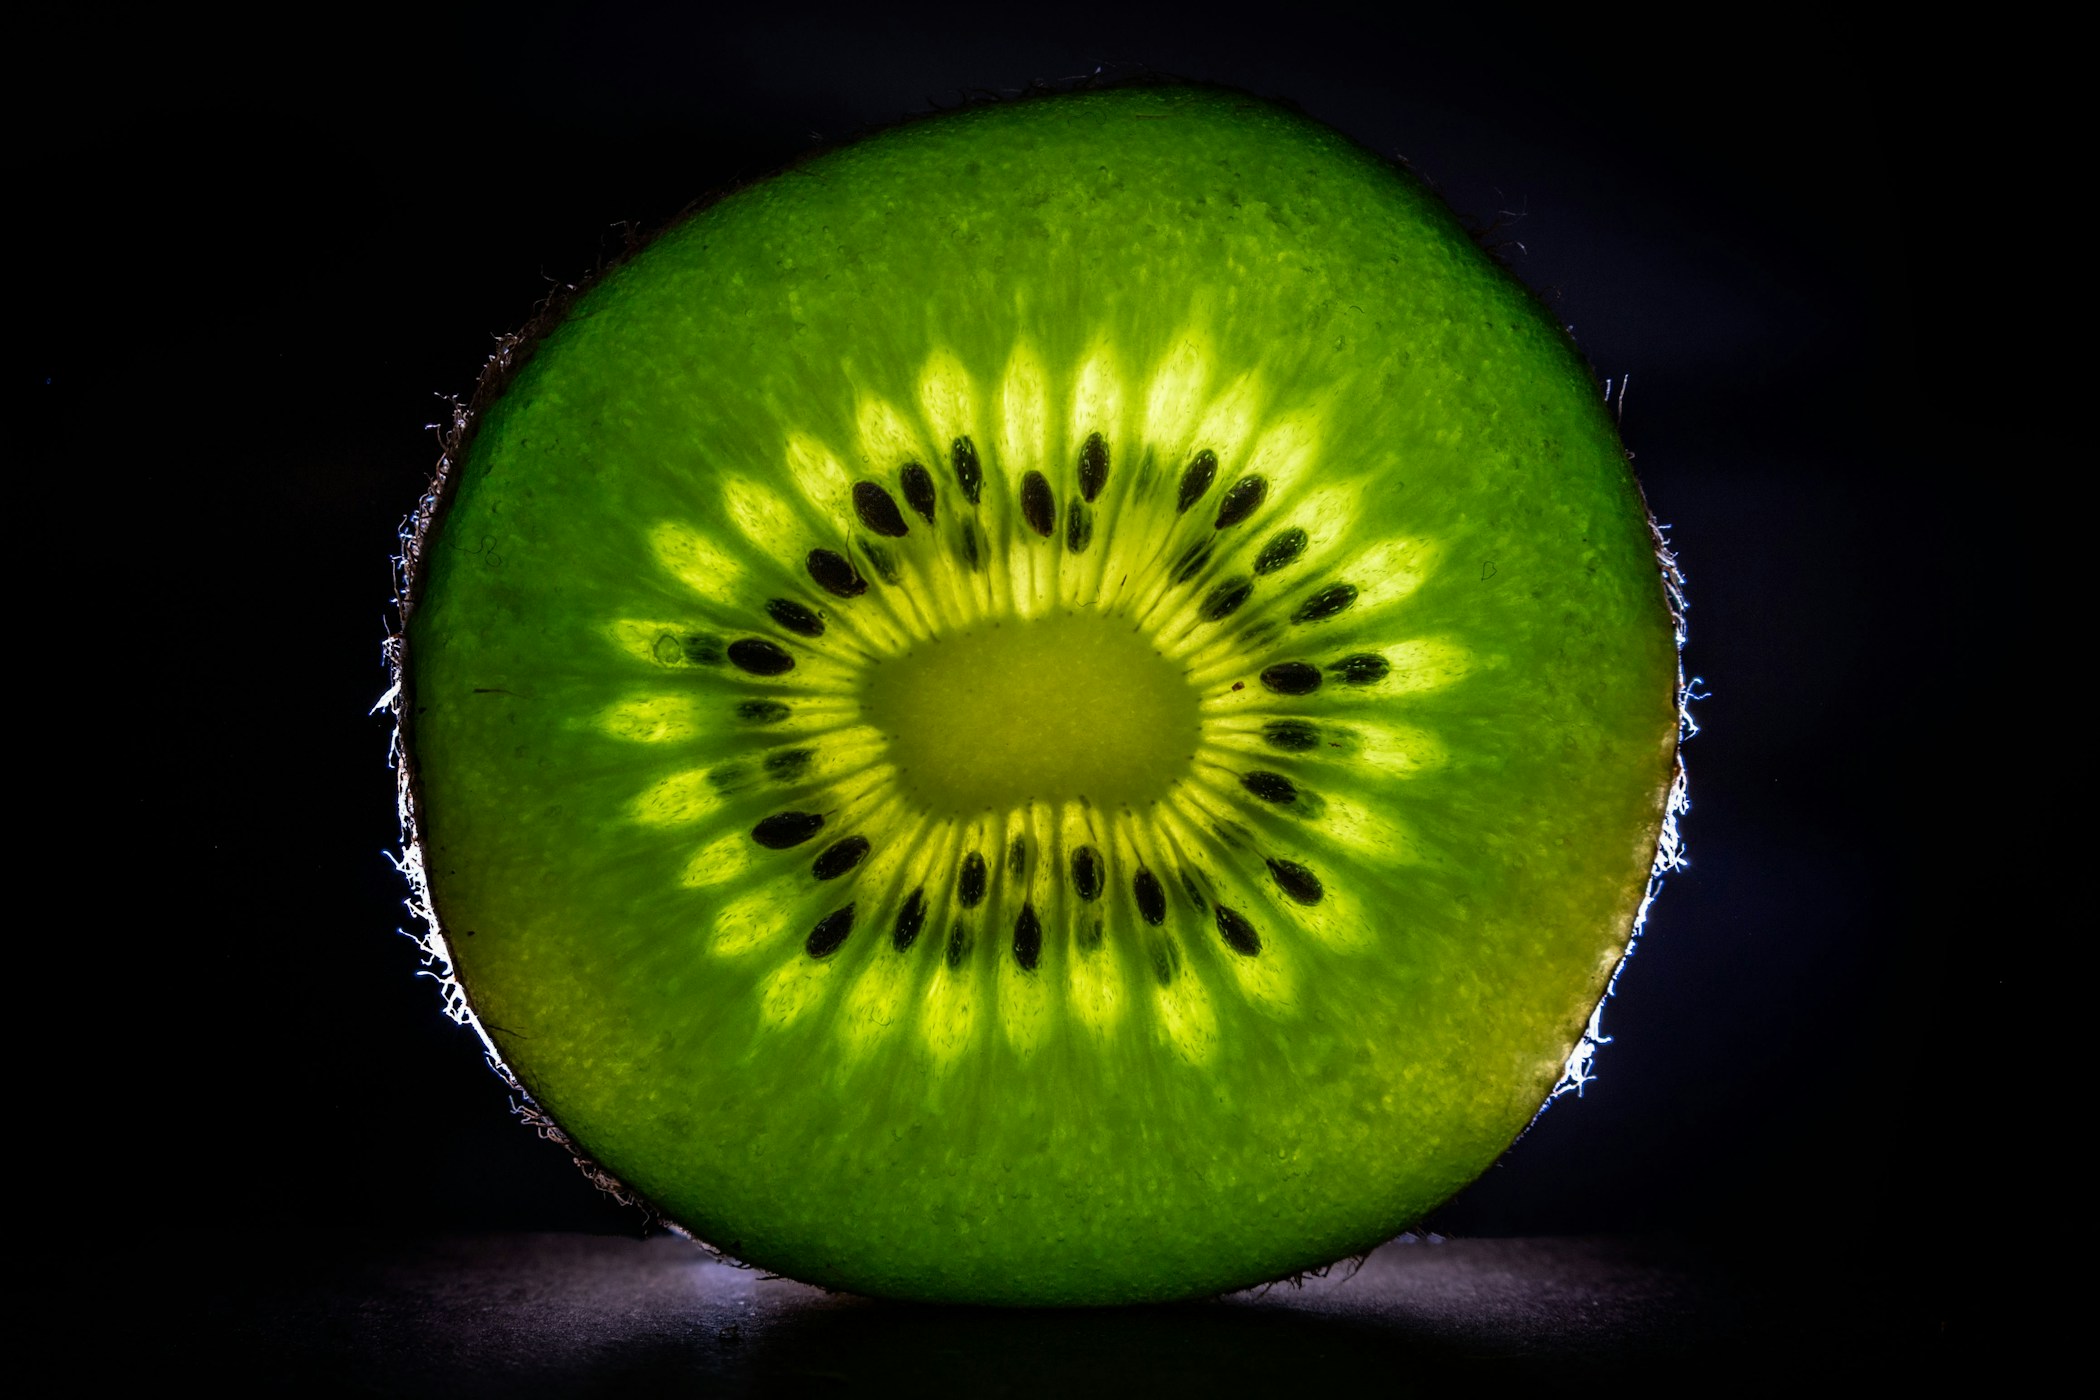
<point>255,264</point>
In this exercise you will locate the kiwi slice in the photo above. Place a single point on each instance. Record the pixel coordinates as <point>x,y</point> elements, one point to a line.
<point>1070,703</point>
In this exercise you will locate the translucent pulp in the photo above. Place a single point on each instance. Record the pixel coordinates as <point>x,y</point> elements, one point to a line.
<point>1069,707</point>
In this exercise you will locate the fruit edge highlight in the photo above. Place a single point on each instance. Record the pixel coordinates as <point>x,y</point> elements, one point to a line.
<point>1072,704</point>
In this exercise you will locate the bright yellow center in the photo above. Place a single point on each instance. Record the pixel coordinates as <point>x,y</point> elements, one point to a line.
<point>1069,707</point>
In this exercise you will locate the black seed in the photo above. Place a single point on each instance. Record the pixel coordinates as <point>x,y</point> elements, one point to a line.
<point>1270,787</point>
<point>909,920</point>
<point>968,473</point>
<point>1192,561</point>
<point>830,932</point>
<point>1028,938</point>
<point>1079,527</point>
<point>958,945</point>
<point>1282,550</point>
<point>1292,678</point>
<point>1325,604</point>
<point>835,574</point>
<point>918,490</point>
<point>1151,899</point>
<point>1086,873</point>
<point>788,764</point>
<point>1017,855</point>
<point>839,857</point>
<point>1291,735</point>
<point>760,657</point>
<point>1038,506</point>
<point>697,650</point>
<point>1093,466</point>
<point>785,829</point>
<point>970,888</point>
<point>796,618</point>
<point>1196,480</point>
<point>1242,500</point>
<point>1296,881</point>
<point>969,548</point>
<point>1239,935</point>
<point>762,711</point>
<point>878,510</point>
<point>1225,599</point>
<point>1195,891</point>
<point>1366,668</point>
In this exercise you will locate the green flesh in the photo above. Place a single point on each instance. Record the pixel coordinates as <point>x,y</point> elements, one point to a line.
<point>1032,1096</point>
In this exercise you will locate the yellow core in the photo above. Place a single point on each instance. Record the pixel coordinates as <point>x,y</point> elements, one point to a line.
<point>1055,709</point>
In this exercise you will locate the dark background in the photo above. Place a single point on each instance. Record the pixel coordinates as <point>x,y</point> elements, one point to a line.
<point>255,265</point>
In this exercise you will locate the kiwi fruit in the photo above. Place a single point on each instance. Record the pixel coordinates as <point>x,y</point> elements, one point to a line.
<point>1070,703</point>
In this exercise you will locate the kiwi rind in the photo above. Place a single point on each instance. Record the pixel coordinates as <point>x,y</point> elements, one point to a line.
<point>504,370</point>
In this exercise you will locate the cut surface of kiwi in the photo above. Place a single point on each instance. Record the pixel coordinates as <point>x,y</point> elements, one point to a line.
<point>1069,704</point>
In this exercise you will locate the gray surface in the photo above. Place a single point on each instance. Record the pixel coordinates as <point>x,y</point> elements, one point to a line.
<point>581,1314</point>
